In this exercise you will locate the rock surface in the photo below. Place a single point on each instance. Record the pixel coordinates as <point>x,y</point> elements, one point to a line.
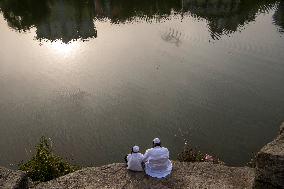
<point>270,164</point>
<point>184,175</point>
<point>10,179</point>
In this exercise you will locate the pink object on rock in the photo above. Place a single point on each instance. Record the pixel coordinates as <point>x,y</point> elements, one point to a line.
<point>208,158</point>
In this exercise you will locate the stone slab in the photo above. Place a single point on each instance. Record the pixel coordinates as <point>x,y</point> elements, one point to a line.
<point>184,175</point>
<point>10,179</point>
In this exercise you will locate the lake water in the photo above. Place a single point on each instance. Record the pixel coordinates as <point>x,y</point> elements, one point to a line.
<point>97,77</point>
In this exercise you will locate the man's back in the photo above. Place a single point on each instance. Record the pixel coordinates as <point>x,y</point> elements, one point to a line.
<point>156,153</point>
<point>157,163</point>
<point>134,162</point>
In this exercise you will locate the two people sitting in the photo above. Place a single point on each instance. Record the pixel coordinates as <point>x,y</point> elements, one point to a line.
<point>155,161</point>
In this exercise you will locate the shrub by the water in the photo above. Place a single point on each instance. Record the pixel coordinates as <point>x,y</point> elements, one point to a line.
<point>192,155</point>
<point>252,162</point>
<point>45,165</point>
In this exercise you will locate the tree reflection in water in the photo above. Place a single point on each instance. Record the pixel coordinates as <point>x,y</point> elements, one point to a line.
<point>68,20</point>
<point>64,20</point>
<point>278,17</point>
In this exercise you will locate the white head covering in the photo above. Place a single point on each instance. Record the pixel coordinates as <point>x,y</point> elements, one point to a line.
<point>156,141</point>
<point>135,149</point>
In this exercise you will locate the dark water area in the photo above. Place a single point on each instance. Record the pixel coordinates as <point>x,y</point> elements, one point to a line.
<point>97,77</point>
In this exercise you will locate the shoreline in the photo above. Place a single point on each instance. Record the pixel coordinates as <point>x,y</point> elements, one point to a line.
<point>268,173</point>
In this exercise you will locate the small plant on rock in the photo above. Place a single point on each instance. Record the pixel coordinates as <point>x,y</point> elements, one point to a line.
<point>45,165</point>
<point>192,155</point>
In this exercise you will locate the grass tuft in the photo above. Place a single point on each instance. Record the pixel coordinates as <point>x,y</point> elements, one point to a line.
<point>45,165</point>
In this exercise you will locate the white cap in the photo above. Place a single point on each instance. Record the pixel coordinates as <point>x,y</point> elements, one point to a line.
<point>135,149</point>
<point>156,141</point>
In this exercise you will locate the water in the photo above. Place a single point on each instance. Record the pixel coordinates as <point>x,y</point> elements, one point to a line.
<point>97,77</point>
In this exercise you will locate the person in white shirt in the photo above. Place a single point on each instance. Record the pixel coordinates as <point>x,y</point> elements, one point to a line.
<point>156,159</point>
<point>134,160</point>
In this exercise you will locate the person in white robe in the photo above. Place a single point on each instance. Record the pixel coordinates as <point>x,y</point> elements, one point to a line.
<point>156,159</point>
<point>134,160</point>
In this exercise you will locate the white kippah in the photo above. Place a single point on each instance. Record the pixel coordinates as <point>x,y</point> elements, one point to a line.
<point>135,149</point>
<point>156,141</point>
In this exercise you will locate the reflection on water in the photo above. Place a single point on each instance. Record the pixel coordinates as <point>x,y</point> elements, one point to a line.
<point>98,76</point>
<point>279,16</point>
<point>225,17</point>
<point>64,20</point>
<point>73,19</point>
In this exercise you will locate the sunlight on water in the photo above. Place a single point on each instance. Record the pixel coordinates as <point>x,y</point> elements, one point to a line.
<point>63,49</point>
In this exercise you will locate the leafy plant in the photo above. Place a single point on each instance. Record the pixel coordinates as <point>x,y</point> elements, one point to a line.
<point>192,155</point>
<point>252,162</point>
<point>45,165</point>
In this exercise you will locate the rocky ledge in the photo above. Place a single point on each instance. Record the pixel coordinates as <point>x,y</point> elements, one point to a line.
<point>270,163</point>
<point>269,173</point>
<point>12,179</point>
<point>184,175</point>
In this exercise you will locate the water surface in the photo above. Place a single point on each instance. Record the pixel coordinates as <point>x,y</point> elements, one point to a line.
<point>97,77</point>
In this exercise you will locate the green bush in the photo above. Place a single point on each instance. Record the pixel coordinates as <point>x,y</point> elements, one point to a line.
<point>192,155</point>
<point>45,165</point>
